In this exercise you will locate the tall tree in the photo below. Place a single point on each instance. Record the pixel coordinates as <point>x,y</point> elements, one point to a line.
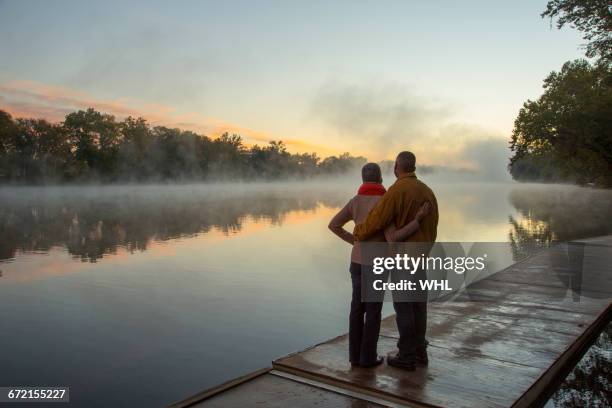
<point>566,135</point>
<point>96,139</point>
<point>8,132</point>
<point>592,17</point>
<point>136,138</point>
<point>47,150</point>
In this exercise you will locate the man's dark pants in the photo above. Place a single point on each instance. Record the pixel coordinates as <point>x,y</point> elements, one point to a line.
<point>411,317</point>
<point>364,322</point>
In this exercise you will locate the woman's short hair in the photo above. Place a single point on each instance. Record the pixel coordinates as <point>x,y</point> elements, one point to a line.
<point>370,173</point>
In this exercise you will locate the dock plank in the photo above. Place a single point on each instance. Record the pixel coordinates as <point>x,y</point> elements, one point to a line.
<point>452,379</point>
<point>502,340</point>
<point>275,392</point>
<point>508,309</point>
<point>553,268</point>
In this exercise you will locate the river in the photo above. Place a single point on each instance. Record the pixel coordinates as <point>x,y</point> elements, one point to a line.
<point>143,295</point>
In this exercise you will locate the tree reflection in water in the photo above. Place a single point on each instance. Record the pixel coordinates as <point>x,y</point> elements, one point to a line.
<point>550,214</point>
<point>590,383</point>
<point>91,222</point>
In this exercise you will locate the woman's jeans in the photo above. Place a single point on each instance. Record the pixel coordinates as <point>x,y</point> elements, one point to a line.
<point>364,322</point>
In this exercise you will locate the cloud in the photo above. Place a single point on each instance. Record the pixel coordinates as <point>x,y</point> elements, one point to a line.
<point>146,61</point>
<point>383,119</point>
<point>53,102</point>
<point>377,117</point>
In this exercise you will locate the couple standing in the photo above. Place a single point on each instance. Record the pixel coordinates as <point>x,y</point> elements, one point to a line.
<point>407,212</point>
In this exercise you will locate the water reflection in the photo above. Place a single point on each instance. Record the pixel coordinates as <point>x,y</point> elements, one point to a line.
<point>91,222</point>
<point>588,385</point>
<point>549,214</point>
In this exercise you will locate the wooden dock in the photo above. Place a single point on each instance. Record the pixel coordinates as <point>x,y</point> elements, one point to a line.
<point>510,345</point>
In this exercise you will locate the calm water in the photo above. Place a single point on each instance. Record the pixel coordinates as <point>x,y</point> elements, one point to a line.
<point>141,296</point>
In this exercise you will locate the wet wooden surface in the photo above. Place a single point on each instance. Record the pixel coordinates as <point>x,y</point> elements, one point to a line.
<point>549,269</point>
<point>491,347</point>
<point>454,378</point>
<point>269,390</point>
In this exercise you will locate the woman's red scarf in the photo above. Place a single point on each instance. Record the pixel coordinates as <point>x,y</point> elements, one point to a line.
<point>371,189</point>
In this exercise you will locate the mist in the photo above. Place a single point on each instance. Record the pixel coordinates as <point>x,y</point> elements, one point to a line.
<point>386,118</point>
<point>94,221</point>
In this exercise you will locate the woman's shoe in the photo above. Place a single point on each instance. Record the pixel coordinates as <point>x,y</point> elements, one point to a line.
<point>379,360</point>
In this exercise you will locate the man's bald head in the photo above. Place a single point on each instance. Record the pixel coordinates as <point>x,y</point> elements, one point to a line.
<point>405,163</point>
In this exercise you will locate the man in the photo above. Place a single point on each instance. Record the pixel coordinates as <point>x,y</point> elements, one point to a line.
<point>364,319</point>
<point>398,207</point>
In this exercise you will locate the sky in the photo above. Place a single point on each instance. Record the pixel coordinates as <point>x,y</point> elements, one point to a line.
<point>444,79</point>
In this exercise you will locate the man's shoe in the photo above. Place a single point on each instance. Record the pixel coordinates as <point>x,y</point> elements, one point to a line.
<point>397,361</point>
<point>379,360</point>
<point>421,358</point>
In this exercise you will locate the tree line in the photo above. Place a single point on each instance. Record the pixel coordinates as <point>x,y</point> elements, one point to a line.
<point>566,134</point>
<point>93,146</point>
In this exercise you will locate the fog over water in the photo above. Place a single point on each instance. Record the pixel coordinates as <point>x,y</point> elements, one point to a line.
<point>164,290</point>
